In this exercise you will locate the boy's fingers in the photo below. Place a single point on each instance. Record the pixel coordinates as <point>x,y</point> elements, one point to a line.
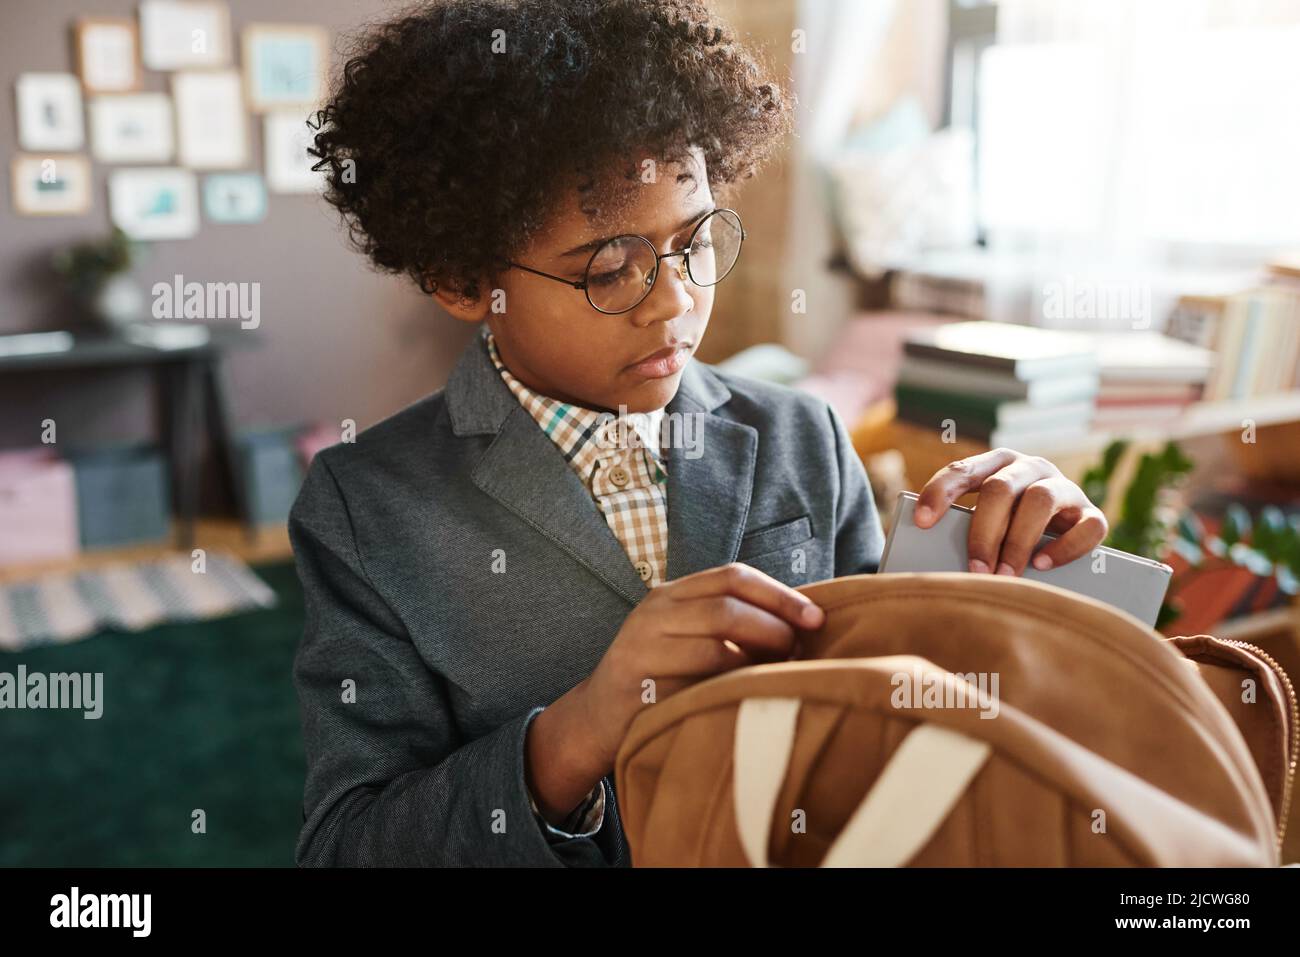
<point>683,657</point>
<point>1034,510</point>
<point>724,617</point>
<point>750,585</point>
<point>1001,498</point>
<point>956,479</point>
<point>1085,535</point>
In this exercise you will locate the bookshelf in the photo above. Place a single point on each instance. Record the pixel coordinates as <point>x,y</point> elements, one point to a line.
<point>1200,419</point>
<point>924,452</point>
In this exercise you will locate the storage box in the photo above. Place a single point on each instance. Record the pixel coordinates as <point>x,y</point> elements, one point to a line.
<point>38,507</point>
<point>123,495</point>
<point>272,473</point>
<point>317,438</point>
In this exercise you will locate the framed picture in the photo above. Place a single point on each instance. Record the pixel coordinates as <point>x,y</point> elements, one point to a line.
<point>50,185</point>
<point>151,204</point>
<point>49,112</point>
<point>179,34</point>
<point>211,125</point>
<point>285,65</point>
<point>132,128</point>
<point>286,137</point>
<point>234,198</point>
<point>108,58</point>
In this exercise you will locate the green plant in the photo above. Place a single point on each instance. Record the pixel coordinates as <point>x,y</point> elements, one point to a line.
<point>87,265</point>
<point>1150,525</point>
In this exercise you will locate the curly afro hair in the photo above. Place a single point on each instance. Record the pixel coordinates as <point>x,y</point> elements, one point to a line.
<point>454,130</point>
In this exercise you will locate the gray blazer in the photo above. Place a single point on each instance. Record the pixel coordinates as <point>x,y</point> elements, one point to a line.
<point>458,577</point>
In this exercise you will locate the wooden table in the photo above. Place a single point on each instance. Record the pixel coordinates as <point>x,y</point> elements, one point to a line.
<point>192,400</point>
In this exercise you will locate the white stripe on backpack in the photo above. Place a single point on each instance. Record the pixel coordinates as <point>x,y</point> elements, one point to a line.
<point>915,792</point>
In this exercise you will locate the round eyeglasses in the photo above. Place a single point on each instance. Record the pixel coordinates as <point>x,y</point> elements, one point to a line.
<point>622,271</point>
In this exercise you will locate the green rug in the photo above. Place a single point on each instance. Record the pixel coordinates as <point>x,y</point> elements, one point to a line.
<point>196,716</point>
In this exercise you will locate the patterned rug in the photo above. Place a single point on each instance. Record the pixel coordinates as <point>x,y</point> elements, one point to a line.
<point>130,596</point>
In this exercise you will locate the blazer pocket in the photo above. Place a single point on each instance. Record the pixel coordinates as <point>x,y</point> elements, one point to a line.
<point>775,538</point>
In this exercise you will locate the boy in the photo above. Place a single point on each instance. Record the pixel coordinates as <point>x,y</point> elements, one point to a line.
<point>496,580</point>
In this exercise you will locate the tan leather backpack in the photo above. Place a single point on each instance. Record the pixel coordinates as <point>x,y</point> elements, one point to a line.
<point>965,720</point>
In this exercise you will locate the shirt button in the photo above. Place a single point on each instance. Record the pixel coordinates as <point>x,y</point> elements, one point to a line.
<point>619,475</point>
<point>644,570</point>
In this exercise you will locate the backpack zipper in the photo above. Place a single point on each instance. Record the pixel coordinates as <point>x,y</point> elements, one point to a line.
<point>1294,743</point>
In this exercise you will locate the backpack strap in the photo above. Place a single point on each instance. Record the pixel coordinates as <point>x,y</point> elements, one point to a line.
<point>764,739</point>
<point>915,792</point>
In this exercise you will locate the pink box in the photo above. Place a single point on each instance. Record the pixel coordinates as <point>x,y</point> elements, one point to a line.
<point>38,507</point>
<point>317,438</point>
<point>861,366</point>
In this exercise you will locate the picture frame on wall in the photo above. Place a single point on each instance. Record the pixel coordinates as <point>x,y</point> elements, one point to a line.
<point>132,128</point>
<point>183,34</point>
<point>49,112</point>
<point>211,125</point>
<point>108,54</point>
<point>154,203</point>
<point>234,198</point>
<point>285,65</point>
<point>286,137</point>
<point>57,185</point>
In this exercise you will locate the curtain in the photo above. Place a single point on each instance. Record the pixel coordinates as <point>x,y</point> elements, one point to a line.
<point>840,39</point>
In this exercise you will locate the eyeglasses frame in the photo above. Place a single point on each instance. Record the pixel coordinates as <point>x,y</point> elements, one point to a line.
<point>685,266</point>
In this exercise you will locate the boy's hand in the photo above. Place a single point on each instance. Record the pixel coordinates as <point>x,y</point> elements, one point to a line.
<point>686,630</point>
<point>1020,497</point>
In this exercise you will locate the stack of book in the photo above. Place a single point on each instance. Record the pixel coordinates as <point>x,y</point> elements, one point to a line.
<point>1255,334</point>
<point>1000,383</point>
<point>1147,378</point>
<point>915,291</point>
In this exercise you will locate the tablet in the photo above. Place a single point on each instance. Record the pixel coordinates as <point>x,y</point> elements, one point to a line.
<point>1130,582</point>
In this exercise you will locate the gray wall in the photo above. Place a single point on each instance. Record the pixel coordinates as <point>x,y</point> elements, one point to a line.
<point>337,339</point>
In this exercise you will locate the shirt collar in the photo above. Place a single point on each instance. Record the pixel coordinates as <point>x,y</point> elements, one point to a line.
<point>579,431</point>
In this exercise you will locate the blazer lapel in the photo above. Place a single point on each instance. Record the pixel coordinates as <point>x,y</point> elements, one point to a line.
<point>710,479</point>
<point>710,485</point>
<point>524,471</point>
